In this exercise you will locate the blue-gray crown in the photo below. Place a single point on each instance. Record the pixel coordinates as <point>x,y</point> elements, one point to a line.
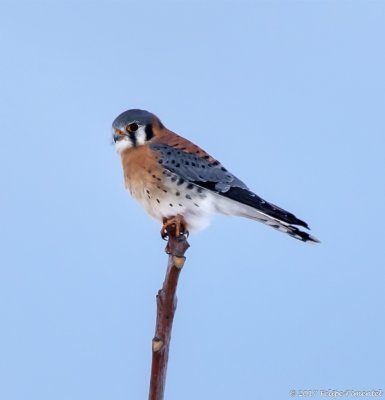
<point>141,117</point>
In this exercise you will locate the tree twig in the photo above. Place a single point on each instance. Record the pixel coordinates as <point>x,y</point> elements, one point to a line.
<point>166,306</point>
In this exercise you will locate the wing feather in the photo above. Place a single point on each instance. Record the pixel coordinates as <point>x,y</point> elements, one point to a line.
<point>209,174</point>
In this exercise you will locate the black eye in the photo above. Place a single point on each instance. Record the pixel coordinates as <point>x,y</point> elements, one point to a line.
<point>132,127</point>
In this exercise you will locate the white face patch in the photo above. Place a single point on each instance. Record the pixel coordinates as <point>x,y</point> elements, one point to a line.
<point>126,142</point>
<point>140,136</point>
<point>123,144</point>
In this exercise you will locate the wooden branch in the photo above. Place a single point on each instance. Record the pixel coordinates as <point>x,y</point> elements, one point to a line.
<point>166,306</point>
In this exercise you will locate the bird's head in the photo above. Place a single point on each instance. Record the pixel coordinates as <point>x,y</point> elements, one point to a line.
<point>134,128</point>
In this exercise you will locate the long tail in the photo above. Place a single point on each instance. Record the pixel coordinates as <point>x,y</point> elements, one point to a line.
<point>247,204</point>
<point>281,226</point>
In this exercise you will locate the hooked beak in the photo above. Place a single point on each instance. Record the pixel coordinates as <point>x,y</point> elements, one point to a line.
<point>118,135</point>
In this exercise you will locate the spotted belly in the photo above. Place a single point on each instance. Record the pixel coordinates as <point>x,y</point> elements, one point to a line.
<point>170,195</point>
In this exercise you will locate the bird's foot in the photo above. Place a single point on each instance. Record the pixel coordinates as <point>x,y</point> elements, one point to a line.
<point>174,226</point>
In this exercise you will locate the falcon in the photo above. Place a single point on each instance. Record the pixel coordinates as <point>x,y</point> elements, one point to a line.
<point>182,186</point>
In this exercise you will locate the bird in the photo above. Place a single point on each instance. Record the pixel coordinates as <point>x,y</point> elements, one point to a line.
<point>182,186</point>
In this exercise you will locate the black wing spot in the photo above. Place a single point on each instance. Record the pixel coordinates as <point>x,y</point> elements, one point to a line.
<point>173,179</point>
<point>206,171</point>
<point>177,193</point>
<point>160,161</point>
<point>158,201</point>
<point>188,196</point>
<point>190,186</point>
<point>171,205</point>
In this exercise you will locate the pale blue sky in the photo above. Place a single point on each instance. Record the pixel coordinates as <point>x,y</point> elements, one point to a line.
<point>290,96</point>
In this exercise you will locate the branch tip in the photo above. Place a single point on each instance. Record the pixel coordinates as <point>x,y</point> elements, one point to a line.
<point>166,305</point>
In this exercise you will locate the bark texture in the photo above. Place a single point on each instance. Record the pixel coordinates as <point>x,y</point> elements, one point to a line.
<point>166,305</point>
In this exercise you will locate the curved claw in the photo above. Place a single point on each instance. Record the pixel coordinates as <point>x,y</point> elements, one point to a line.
<point>174,226</point>
<point>164,234</point>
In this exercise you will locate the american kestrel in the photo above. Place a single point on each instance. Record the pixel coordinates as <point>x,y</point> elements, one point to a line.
<point>181,185</point>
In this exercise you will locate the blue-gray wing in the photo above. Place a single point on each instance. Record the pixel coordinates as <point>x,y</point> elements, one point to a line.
<point>199,170</point>
<point>209,174</point>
